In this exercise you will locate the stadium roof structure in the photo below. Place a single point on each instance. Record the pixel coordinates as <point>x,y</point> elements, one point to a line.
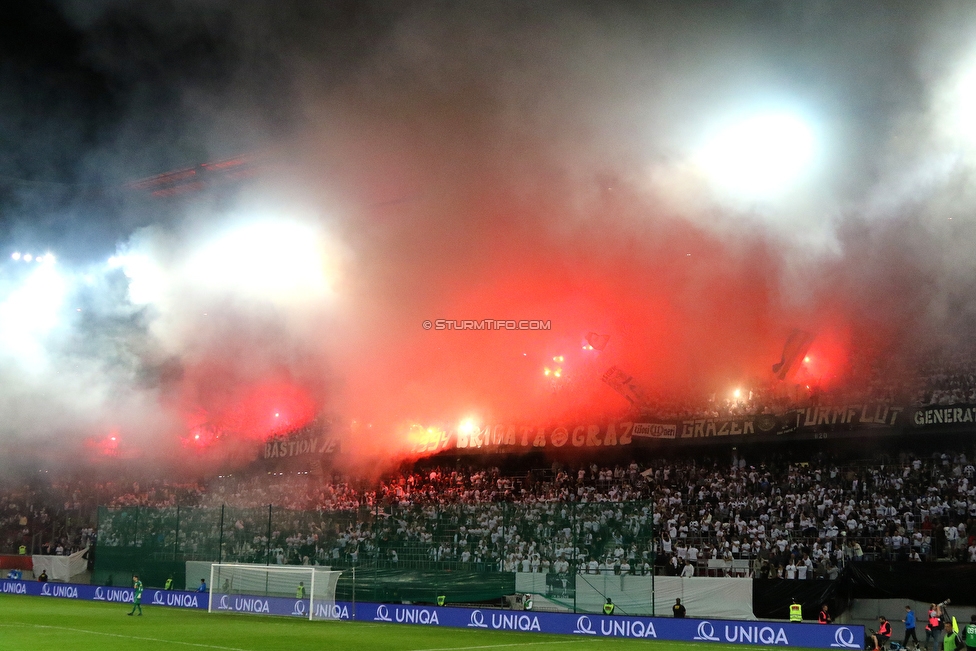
<point>201,177</point>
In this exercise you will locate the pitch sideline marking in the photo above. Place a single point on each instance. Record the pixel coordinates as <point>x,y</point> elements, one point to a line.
<point>128,637</point>
<point>499,646</point>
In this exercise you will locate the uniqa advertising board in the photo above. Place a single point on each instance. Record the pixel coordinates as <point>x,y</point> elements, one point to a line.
<point>812,636</point>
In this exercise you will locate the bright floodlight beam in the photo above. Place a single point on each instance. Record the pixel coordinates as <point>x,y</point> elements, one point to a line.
<point>243,257</point>
<point>760,156</point>
<point>15,255</point>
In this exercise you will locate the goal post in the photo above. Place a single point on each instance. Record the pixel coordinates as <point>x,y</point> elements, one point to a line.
<point>323,590</point>
<point>310,590</point>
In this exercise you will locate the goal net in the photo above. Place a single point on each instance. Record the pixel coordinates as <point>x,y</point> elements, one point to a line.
<point>309,591</point>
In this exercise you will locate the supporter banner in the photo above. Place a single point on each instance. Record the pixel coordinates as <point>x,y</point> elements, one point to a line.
<point>844,418</point>
<point>623,384</point>
<point>939,416</point>
<point>810,422</point>
<point>300,446</point>
<point>15,562</point>
<point>316,440</point>
<point>521,436</point>
<point>656,430</point>
<point>812,636</point>
<point>709,427</point>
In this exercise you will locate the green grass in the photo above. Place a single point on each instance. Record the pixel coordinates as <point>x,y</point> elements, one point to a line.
<point>44,624</point>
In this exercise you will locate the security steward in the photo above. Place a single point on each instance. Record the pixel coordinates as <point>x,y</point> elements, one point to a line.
<point>824,616</point>
<point>678,610</point>
<point>609,607</point>
<point>884,631</point>
<point>949,638</point>
<point>796,612</point>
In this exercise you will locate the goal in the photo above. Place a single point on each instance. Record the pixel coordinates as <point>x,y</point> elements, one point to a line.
<point>310,589</point>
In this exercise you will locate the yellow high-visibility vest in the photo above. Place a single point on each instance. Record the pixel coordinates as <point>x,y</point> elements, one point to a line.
<point>796,613</point>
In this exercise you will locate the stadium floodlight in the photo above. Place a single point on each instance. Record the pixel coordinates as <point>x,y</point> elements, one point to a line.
<point>234,587</point>
<point>276,259</point>
<point>760,156</point>
<point>28,257</point>
<point>32,308</point>
<point>15,255</point>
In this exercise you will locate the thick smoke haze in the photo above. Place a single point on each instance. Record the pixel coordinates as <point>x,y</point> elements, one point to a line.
<point>469,161</point>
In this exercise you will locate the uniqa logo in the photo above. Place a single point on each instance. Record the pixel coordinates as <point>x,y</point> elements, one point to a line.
<point>627,628</point>
<point>844,638</point>
<point>477,620</point>
<point>584,626</point>
<point>251,605</point>
<point>15,588</point>
<point>415,616</point>
<point>99,594</point>
<point>382,614</point>
<point>67,591</point>
<point>706,632</point>
<point>299,608</point>
<point>115,594</point>
<point>224,603</point>
<point>515,622</point>
<point>753,634</point>
<point>158,599</point>
<point>326,611</point>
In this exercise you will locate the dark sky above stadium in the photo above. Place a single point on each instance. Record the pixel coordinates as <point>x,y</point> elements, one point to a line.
<point>695,179</point>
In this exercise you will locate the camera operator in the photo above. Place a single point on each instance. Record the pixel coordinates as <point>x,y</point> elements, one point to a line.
<point>933,626</point>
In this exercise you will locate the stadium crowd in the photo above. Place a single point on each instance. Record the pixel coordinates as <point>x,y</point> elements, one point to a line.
<point>777,517</point>
<point>781,514</point>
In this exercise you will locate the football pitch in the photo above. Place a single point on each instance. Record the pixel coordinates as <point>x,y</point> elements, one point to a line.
<point>43,624</point>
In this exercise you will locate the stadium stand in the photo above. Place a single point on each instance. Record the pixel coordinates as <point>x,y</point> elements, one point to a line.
<point>777,518</point>
<point>774,511</point>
